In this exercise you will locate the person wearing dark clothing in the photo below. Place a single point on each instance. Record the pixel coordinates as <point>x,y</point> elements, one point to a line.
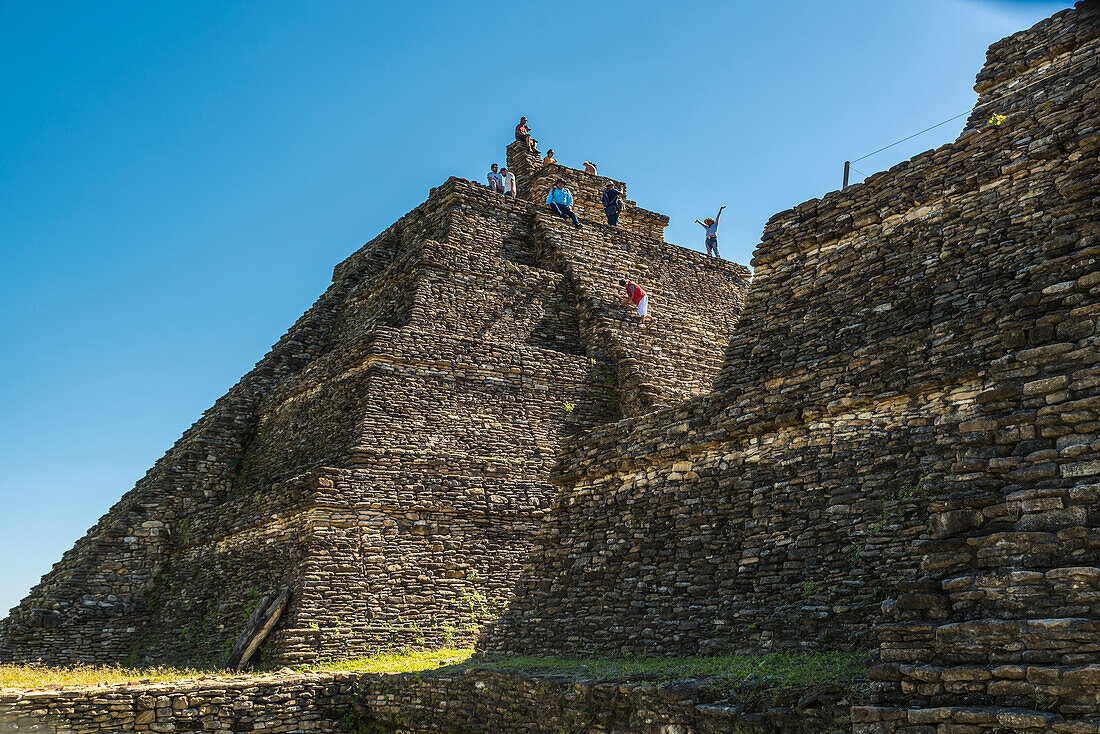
<point>612,201</point>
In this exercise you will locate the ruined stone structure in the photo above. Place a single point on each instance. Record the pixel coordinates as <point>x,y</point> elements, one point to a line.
<point>389,458</point>
<point>473,701</point>
<point>904,445</point>
<point>901,450</point>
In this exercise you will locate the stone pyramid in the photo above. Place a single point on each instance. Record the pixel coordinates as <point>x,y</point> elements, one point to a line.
<point>389,458</point>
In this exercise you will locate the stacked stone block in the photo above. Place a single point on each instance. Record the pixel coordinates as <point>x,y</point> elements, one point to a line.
<point>536,179</point>
<point>390,459</point>
<point>913,350</point>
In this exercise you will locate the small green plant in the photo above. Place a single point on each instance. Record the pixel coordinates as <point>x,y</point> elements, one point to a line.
<point>809,587</point>
<point>183,528</point>
<point>568,406</point>
<point>252,600</point>
<point>1043,702</point>
<point>917,490</point>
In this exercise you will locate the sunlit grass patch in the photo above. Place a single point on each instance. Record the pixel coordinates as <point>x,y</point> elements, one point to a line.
<point>409,662</point>
<point>42,676</point>
<point>789,670</point>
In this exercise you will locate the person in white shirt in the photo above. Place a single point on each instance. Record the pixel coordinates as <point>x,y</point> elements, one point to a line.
<point>711,226</point>
<point>496,182</point>
<point>509,182</point>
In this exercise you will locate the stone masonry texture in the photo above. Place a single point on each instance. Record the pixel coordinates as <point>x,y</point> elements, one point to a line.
<point>473,701</point>
<point>389,459</point>
<point>897,449</point>
<point>903,448</point>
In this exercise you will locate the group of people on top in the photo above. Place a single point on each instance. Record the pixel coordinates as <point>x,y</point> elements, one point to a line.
<point>560,201</point>
<point>502,181</point>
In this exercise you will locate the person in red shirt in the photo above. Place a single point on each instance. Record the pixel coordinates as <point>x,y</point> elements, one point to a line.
<point>524,133</point>
<point>636,296</point>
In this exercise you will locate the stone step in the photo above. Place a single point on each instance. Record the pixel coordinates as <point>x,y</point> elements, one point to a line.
<point>1045,509</point>
<point>1058,641</point>
<point>1012,551</point>
<point>1066,690</point>
<point>1072,591</point>
<point>966,720</point>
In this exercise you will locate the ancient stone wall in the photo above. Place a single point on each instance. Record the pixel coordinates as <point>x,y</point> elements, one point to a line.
<point>536,179</point>
<point>876,367</point>
<point>476,701</point>
<point>1034,66</point>
<point>389,461</point>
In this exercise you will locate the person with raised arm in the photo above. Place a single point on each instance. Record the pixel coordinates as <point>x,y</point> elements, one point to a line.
<point>711,226</point>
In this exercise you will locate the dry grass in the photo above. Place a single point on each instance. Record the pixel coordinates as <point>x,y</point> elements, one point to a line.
<point>41,676</point>
<point>783,669</point>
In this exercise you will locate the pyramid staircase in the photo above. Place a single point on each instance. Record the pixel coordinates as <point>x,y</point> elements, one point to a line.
<point>389,460</point>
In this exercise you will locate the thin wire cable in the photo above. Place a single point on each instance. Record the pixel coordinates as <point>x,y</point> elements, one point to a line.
<point>973,109</point>
<point>922,132</point>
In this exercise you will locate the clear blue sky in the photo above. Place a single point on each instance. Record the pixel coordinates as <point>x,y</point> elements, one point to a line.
<point>178,179</point>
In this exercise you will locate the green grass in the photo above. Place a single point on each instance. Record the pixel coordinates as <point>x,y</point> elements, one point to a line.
<point>411,662</point>
<point>790,670</point>
<point>783,669</point>
<point>41,676</point>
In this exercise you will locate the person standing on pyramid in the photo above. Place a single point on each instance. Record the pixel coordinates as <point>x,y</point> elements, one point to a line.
<point>560,201</point>
<point>509,183</point>
<point>523,133</point>
<point>711,226</point>
<point>549,159</point>
<point>635,295</point>
<point>496,181</point>
<point>612,201</point>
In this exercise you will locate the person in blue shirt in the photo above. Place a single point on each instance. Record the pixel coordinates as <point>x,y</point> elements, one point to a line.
<point>560,202</point>
<point>711,226</point>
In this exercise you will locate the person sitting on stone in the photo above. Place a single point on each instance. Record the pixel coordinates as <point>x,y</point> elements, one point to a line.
<point>635,295</point>
<point>612,201</point>
<point>549,159</point>
<point>523,133</point>
<point>509,183</point>
<point>711,226</point>
<point>496,181</point>
<point>590,167</point>
<point>560,201</point>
